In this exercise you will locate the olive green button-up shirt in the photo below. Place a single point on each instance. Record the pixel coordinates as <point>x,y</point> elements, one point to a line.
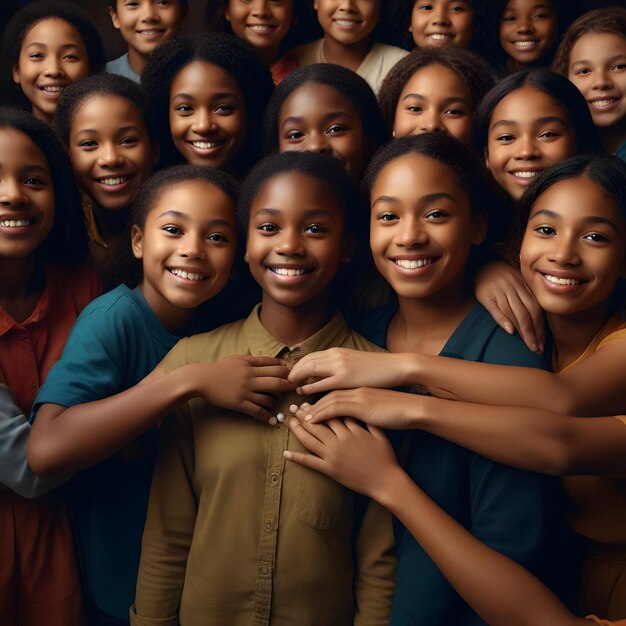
<point>235,535</point>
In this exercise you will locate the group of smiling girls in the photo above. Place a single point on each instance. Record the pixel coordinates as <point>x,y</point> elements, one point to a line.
<point>219,405</point>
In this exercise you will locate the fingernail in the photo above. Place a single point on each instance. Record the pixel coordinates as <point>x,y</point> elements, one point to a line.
<point>509,329</point>
<point>273,421</point>
<point>308,418</point>
<point>534,347</point>
<point>280,417</point>
<point>287,454</point>
<point>293,408</point>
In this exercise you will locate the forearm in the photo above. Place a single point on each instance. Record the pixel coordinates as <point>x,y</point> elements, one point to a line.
<point>65,440</point>
<point>530,439</point>
<point>497,588</point>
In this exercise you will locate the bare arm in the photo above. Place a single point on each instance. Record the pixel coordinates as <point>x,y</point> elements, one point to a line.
<point>65,440</point>
<point>498,589</point>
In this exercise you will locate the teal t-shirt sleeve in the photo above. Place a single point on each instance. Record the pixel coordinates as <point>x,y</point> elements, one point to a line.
<point>92,364</point>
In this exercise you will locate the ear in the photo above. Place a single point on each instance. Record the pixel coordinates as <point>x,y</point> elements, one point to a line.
<point>245,258</point>
<point>316,4</point>
<point>349,247</point>
<point>136,241</point>
<point>479,227</point>
<point>227,12</point>
<point>486,157</point>
<point>16,73</point>
<point>113,15</point>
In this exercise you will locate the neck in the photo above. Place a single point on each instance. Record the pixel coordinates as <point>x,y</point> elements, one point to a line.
<point>613,137</point>
<point>43,117</point>
<point>350,56</point>
<point>21,284</point>
<point>137,60</point>
<point>269,54</point>
<point>573,333</point>
<point>426,324</point>
<point>110,223</point>
<point>293,325</point>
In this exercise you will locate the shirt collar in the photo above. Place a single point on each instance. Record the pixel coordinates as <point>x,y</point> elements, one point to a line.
<point>90,222</point>
<point>262,343</point>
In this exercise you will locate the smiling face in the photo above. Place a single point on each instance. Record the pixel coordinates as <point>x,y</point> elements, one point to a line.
<point>296,240</point>
<point>528,133</point>
<point>442,23</point>
<point>26,195</point>
<point>435,99</point>
<point>146,24</point>
<point>207,114</point>
<point>421,227</point>
<point>318,118</point>
<point>52,56</point>
<point>528,30</point>
<point>574,249</point>
<point>187,246</point>
<point>110,149</point>
<point>348,21</point>
<point>597,66</point>
<point>263,23</point>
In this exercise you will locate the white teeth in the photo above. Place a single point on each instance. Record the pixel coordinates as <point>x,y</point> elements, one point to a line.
<point>412,265</point>
<point>284,271</point>
<point>111,181</point>
<point>346,22</point>
<point>53,88</point>
<point>260,27</point>
<point>205,145</point>
<point>604,103</point>
<point>439,36</point>
<point>14,223</point>
<point>525,44</point>
<point>521,174</point>
<point>149,33</point>
<point>562,281</point>
<point>187,275</point>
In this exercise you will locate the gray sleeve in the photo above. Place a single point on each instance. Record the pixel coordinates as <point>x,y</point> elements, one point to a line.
<point>14,471</point>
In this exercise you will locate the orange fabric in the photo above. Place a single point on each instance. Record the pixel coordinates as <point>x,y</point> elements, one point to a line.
<point>28,350</point>
<point>284,66</point>
<point>39,582</point>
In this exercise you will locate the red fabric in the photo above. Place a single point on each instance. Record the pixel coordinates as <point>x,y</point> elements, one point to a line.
<point>28,350</point>
<point>285,65</point>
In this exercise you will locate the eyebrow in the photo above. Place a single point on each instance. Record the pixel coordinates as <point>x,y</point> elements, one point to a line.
<point>44,45</point>
<point>427,199</point>
<point>609,60</point>
<point>328,116</point>
<point>186,218</point>
<point>592,219</point>
<point>539,121</point>
<point>124,129</point>
<point>309,213</point>
<point>448,100</point>
<point>187,96</point>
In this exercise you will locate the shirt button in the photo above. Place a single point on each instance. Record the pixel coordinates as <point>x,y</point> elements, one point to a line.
<point>33,385</point>
<point>265,571</point>
<point>274,479</point>
<point>268,526</point>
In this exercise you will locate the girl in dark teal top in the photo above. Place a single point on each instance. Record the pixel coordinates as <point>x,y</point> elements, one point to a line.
<point>428,198</point>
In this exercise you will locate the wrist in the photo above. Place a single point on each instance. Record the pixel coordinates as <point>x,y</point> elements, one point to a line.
<point>392,489</point>
<point>185,383</point>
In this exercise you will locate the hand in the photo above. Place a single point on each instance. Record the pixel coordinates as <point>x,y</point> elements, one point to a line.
<point>342,368</point>
<point>501,290</point>
<point>246,384</point>
<point>378,407</point>
<point>359,457</point>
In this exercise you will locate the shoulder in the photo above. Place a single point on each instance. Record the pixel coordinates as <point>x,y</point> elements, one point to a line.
<point>121,66</point>
<point>374,324</point>
<point>614,330</point>
<point>78,283</point>
<point>391,54</point>
<point>355,341</point>
<point>479,338</point>
<point>308,53</point>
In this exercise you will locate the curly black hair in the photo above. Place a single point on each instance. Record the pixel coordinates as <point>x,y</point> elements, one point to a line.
<point>347,83</point>
<point>67,241</point>
<point>474,71</point>
<point>233,55</point>
<point>100,85</point>
<point>33,13</point>
<point>327,170</point>
<point>555,86</point>
<point>606,20</point>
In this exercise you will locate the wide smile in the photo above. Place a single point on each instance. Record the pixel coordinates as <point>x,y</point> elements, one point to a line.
<point>205,147</point>
<point>439,37</point>
<point>15,225</point>
<point>52,91</point>
<point>414,266</point>
<point>187,276</point>
<point>347,24</point>
<point>524,45</point>
<point>261,28</point>
<point>151,33</point>
<point>525,177</point>
<point>112,184</point>
<point>603,103</point>
<point>561,283</point>
<point>289,274</point>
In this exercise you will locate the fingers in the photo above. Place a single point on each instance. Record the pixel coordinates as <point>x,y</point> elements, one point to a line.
<point>306,438</point>
<point>502,318</point>
<point>308,460</point>
<point>255,411</point>
<point>520,304</point>
<point>318,386</point>
<point>274,371</point>
<point>263,361</point>
<point>269,384</point>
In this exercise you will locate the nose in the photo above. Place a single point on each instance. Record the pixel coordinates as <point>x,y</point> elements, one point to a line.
<point>202,121</point>
<point>192,246</point>
<point>347,5</point>
<point>602,80</point>
<point>317,142</point>
<point>53,66</point>
<point>109,155</point>
<point>440,16</point>
<point>411,233</point>
<point>148,14</point>
<point>564,250</point>
<point>430,122</point>
<point>289,243</point>
<point>526,148</point>
<point>11,193</point>
<point>260,8</point>
<point>524,25</point>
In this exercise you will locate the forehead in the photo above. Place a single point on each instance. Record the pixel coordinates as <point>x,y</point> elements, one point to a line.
<point>527,5</point>
<point>435,79</point>
<point>53,31</point>
<point>295,193</point>
<point>106,112</point>
<point>203,79</point>
<point>527,104</point>
<point>598,46</point>
<point>17,149</point>
<point>313,100</point>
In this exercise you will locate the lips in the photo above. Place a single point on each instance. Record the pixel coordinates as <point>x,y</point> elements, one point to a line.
<point>193,276</point>
<point>261,28</point>
<point>212,144</point>
<point>16,223</point>
<point>525,176</point>
<point>525,44</point>
<point>290,271</point>
<point>603,102</point>
<point>440,36</point>
<point>569,282</point>
<point>52,91</point>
